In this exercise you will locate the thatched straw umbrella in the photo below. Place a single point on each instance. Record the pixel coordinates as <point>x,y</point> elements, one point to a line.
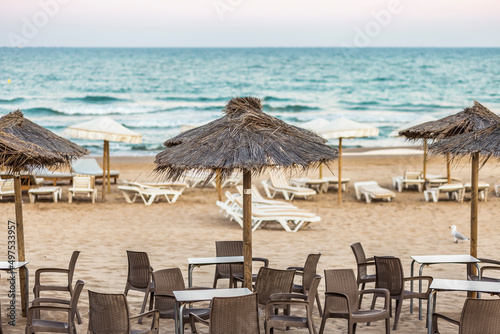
<point>25,145</point>
<point>470,119</point>
<point>484,143</point>
<point>245,139</point>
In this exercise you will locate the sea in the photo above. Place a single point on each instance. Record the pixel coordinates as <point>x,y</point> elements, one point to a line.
<point>156,91</point>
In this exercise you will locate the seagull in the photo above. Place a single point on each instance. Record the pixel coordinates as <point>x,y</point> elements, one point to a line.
<point>457,235</point>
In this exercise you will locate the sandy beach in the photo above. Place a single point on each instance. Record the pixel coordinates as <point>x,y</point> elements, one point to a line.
<point>170,233</point>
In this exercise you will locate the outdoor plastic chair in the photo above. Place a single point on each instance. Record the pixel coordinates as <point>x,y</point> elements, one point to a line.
<point>491,265</point>
<point>273,319</point>
<point>83,184</point>
<point>231,315</point>
<point>307,272</point>
<point>390,276</point>
<point>222,271</point>
<point>139,277</point>
<point>67,286</point>
<point>109,313</point>
<point>479,316</point>
<point>166,281</point>
<point>363,264</point>
<point>35,324</point>
<point>270,281</point>
<point>342,300</point>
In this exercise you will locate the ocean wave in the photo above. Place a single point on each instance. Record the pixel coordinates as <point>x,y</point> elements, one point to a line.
<point>14,100</point>
<point>95,99</point>
<point>290,108</point>
<point>275,99</point>
<point>42,111</point>
<point>193,99</point>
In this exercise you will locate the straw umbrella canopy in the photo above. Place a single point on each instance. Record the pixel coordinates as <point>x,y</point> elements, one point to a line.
<point>339,129</point>
<point>483,143</point>
<point>107,129</point>
<point>245,139</point>
<point>25,146</point>
<point>470,119</point>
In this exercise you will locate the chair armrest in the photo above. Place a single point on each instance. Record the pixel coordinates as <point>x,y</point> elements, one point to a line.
<point>38,301</point>
<point>155,323</point>
<point>199,288</point>
<point>164,296</point>
<point>370,259</point>
<point>40,271</point>
<point>420,278</point>
<point>193,318</point>
<point>34,309</point>
<point>296,268</point>
<point>378,291</point>
<point>286,296</point>
<point>261,259</point>
<point>490,261</point>
<point>488,268</point>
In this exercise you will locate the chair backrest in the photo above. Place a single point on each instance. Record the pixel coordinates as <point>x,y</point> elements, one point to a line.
<point>7,185</point>
<point>310,270</point>
<point>108,313</point>
<point>313,290</point>
<point>234,315</point>
<point>341,281</point>
<point>360,256</point>
<point>72,265</point>
<point>77,290</point>
<point>166,281</point>
<point>390,275</point>
<point>229,248</point>
<point>480,316</point>
<point>271,281</point>
<point>86,166</point>
<point>83,182</point>
<point>412,174</point>
<point>278,179</point>
<point>139,269</point>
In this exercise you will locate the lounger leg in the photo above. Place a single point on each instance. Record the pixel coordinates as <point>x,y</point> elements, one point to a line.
<point>174,199</point>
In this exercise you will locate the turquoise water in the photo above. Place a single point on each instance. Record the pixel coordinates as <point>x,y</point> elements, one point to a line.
<point>155,91</point>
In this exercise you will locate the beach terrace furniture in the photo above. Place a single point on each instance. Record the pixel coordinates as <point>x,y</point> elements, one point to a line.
<point>334,182</point>
<point>149,195</point>
<point>54,192</point>
<point>258,199</point>
<point>477,316</point>
<point>89,166</point>
<point>489,265</point>
<point>270,281</point>
<point>482,189</point>
<point>278,300</point>
<point>139,277</point>
<point>34,324</point>
<point>390,276</point>
<point>307,272</point>
<point>343,300</point>
<point>6,188</point>
<point>66,273</point>
<point>371,190</point>
<point>232,271</point>
<point>83,184</point>
<point>109,313</point>
<point>497,189</point>
<point>178,185</point>
<point>453,191</point>
<point>363,263</point>
<point>278,183</point>
<point>410,178</point>
<point>320,185</point>
<point>194,178</point>
<point>48,175</point>
<point>231,315</point>
<point>166,281</point>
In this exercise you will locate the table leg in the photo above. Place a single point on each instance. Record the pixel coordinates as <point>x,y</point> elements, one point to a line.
<point>181,324</point>
<point>176,317</point>
<point>431,309</point>
<point>478,278</point>
<point>411,285</point>
<point>190,275</point>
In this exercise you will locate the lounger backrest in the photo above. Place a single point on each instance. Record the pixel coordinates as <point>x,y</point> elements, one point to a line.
<point>277,179</point>
<point>7,185</point>
<point>83,182</point>
<point>86,166</point>
<point>413,175</point>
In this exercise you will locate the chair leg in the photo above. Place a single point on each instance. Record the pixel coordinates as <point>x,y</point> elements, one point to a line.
<point>143,307</point>
<point>323,323</point>
<point>374,300</point>
<point>319,305</point>
<point>387,326</point>
<point>399,304</point>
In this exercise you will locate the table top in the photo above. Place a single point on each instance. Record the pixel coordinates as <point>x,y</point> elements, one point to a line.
<point>432,259</point>
<point>4,265</point>
<point>462,285</point>
<point>215,260</point>
<point>188,296</point>
<point>309,181</point>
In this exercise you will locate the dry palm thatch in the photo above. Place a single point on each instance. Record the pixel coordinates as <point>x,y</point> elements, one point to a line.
<point>245,138</point>
<point>26,145</point>
<point>470,119</point>
<point>485,142</point>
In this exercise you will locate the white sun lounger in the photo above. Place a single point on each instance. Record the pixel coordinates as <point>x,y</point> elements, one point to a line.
<point>89,166</point>
<point>6,187</point>
<point>371,190</point>
<point>83,184</point>
<point>148,195</point>
<point>410,178</point>
<point>258,199</point>
<point>178,186</point>
<point>277,183</point>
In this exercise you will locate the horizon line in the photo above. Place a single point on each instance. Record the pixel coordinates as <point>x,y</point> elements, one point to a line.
<point>251,47</point>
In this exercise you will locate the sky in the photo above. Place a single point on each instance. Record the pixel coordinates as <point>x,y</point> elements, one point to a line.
<point>250,23</point>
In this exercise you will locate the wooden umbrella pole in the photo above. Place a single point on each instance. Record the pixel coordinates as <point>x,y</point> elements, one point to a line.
<point>247,228</point>
<point>218,184</point>
<point>448,169</point>
<point>108,168</point>
<point>473,213</point>
<point>320,171</point>
<point>425,158</point>
<point>104,169</point>
<point>20,239</point>
<point>340,172</point>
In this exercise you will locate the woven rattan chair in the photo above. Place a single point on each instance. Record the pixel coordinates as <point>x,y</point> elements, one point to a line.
<point>390,276</point>
<point>479,316</point>
<point>222,271</point>
<point>109,313</point>
<point>231,315</point>
<point>270,281</point>
<point>363,264</point>
<point>166,281</point>
<point>35,324</point>
<point>139,277</point>
<point>67,286</point>
<point>307,272</point>
<point>342,300</point>
<point>292,299</point>
<point>491,265</point>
